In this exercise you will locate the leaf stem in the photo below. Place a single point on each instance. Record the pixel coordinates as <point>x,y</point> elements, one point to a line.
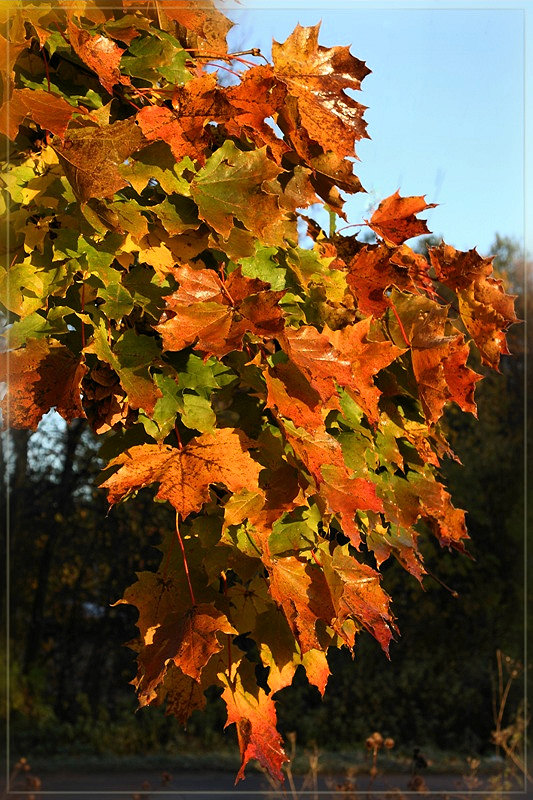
<point>82,304</point>
<point>444,585</point>
<point>353,225</point>
<point>185,564</point>
<point>223,282</point>
<point>332,221</point>
<point>46,69</point>
<point>400,323</point>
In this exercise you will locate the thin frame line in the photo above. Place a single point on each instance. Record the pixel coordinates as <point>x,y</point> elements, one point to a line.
<point>332,6</point>
<point>9,450</point>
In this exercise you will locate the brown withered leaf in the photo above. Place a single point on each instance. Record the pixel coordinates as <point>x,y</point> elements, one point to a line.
<point>185,475</point>
<point>317,77</point>
<point>487,312</point>
<point>48,110</point>
<point>331,173</point>
<point>395,219</point>
<point>459,269</point>
<point>90,157</point>
<point>40,376</point>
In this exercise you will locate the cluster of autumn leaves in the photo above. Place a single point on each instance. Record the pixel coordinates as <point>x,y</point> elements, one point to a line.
<point>285,400</point>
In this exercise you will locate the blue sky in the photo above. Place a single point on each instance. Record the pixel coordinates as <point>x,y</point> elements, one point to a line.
<point>445,103</point>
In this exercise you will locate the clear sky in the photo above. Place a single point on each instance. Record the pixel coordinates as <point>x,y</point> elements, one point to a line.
<point>445,103</point>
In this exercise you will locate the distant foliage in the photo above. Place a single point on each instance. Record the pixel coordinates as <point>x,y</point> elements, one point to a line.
<point>285,401</point>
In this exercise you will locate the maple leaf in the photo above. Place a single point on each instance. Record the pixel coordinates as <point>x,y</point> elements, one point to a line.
<point>346,495</point>
<point>291,393</point>
<point>316,357</point>
<point>9,53</point>
<point>155,597</point>
<point>439,361</point>
<point>343,493</point>
<point>255,99</point>
<point>300,589</point>
<point>101,54</point>
<point>357,593</point>
<point>185,475</point>
<point>367,358</point>
<point>331,173</point>
<point>280,653</point>
<point>317,77</point>
<point>213,316</point>
<point>486,310</point>
<point>131,358</point>
<point>254,714</point>
<point>398,541</point>
<point>458,269</point>
<point>448,522</point>
<point>90,157</point>
<point>417,267</point>
<point>231,186</point>
<point>442,375</point>
<point>164,124</point>
<point>181,693</point>
<point>395,219</point>
<point>370,272</point>
<point>50,111</point>
<point>208,24</point>
<point>242,109</point>
<point>187,639</point>
<point>40,376</point>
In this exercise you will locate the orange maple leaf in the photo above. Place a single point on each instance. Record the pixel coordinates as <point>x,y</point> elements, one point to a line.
<point>185,475</point>
<point>395,219</point>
